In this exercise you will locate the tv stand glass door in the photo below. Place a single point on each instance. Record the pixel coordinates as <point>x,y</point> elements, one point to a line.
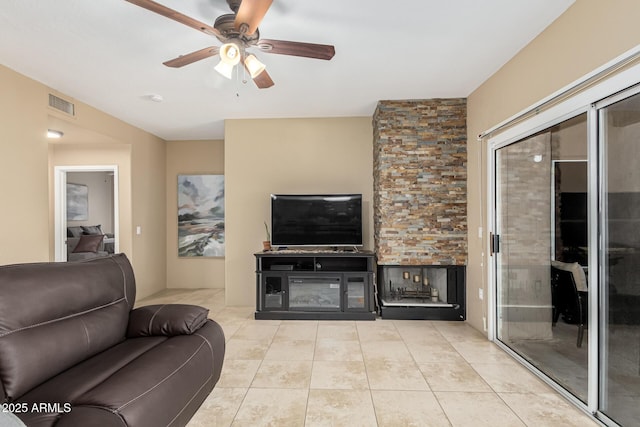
<point>275,292</point>
<point>314,293</point>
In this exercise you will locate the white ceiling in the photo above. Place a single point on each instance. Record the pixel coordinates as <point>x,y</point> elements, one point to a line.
<point>109,54</point>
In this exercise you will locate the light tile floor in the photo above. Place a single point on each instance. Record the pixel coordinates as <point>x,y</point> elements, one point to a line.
<point>366,373</point>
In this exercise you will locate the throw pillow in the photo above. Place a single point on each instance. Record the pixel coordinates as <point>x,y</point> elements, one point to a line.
<point>89,243</point>
<point>74,231</point>
<point>92,229</point>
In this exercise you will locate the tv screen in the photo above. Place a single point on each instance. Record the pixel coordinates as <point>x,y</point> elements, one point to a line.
<point>316,220</point>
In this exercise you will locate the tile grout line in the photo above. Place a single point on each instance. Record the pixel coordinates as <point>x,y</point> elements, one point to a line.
<point>425,378</point>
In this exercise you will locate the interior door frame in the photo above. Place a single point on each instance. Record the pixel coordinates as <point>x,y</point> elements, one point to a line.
<point>60,205</point>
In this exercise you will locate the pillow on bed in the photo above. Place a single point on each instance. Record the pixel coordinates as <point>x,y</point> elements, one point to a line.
<point>89,243</point>
<point>74,231</point>
<point>92,229</point>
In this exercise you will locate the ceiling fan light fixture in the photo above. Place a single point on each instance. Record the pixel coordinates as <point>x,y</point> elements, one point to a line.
<point>254,66</point>
<point>238,31</point>
<point>225,69</point>
<point>230,53</point>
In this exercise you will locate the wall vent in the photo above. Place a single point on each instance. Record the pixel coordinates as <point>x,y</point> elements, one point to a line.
<point>61,105</point>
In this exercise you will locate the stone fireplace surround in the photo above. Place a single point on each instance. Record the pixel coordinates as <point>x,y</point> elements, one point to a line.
<point>420,183</point>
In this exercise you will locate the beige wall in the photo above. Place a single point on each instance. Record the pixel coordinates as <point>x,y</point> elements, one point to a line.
<point>190,157</point>
<point>24,212</point>
<point>26,216</point>
<point>287,156</point>
<point>589,34</point>
<point>149,201</point>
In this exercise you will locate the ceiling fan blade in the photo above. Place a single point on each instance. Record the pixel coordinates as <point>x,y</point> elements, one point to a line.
<point>251,13</point>
<point>307,50</point>
<point>192,57</point>
<point>263,80</point>
<point>176,16</point>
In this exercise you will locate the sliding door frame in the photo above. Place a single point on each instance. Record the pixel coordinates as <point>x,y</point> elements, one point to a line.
<point>600,355</point>
<point>607,90</point>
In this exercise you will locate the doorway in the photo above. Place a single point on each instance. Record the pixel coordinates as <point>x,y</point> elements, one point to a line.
<point>94,203</point>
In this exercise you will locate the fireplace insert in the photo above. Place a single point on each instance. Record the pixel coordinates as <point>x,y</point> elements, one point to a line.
<point>432,292</point>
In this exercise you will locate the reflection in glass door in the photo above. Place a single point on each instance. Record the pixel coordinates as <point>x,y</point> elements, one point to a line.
<point>620,258</point>
<point>541,287</point>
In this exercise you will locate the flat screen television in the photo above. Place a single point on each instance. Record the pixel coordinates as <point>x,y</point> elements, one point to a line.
<point>316,219</point>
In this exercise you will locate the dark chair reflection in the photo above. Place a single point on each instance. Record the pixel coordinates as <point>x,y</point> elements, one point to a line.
<point>569,295</point>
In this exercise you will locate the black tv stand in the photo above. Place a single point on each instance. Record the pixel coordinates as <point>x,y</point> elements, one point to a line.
<point>322,249</point>
<point>315,285</point>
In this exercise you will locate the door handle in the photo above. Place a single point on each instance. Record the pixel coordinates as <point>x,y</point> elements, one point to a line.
<point>494,243</point>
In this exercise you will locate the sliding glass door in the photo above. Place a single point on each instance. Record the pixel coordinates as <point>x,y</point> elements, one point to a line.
<point>566,253</point>
<point>541,249</point>
<point>620,260</point>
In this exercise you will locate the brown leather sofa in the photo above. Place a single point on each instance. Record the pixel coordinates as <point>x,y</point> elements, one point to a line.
<point>74,352</point>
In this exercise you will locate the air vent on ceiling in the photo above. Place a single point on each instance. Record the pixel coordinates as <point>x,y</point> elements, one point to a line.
<point>61,105</point>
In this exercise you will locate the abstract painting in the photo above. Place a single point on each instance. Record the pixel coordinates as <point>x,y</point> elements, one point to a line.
<point>200,215</point>
<point>77,202</point>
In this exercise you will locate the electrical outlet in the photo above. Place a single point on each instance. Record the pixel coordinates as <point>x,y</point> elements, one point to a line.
<point>484,323</point>
<point>480,232</point>
<point>481,293</point>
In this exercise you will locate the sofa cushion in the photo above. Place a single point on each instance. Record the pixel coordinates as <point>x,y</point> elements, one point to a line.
<point>82,256</point>
<point>69,385</point>
<point>70,311</point>
<point>169,373</point>
<point>162,386</point>
<point>89,243</point>
<point>166,320</point>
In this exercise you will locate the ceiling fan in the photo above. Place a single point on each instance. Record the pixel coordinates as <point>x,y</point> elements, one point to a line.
<point>238,31</point>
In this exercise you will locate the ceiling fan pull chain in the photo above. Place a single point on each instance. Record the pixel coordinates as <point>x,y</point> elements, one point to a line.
<point>237,70</point>
<point>244,75</point>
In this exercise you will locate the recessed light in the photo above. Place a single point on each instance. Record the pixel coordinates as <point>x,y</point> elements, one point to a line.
<point>54,134</point>
<point>153,97</point>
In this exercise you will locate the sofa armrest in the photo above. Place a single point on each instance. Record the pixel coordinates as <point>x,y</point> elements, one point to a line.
<point>166,320</point>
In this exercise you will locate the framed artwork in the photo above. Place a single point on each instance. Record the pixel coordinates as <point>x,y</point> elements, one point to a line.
<point>77,202</point>
<point>200,215</point>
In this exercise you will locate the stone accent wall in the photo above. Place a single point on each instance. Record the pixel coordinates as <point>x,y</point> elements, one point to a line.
<point>420,182</point>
